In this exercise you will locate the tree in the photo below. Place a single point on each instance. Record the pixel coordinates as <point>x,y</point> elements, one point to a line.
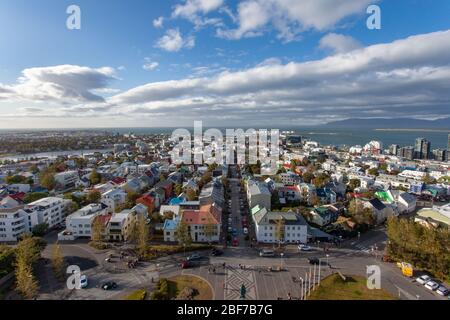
<point>353,184</point>
<point>98,230</point>
<point>178,189</point>
<point>428,179</point>
<point>280,230</point>
<point>321,180</point>
<point>373,171</point>
<point>58,262</point>
<point>72,206</point>
<point>308,176</point>
<point>40,230</point>
<point>143,235</point>
<point>94,196</point>
<point>47,180</point>
<point>34,169</point>
<point>191,194</point>
<point>95,177</point>
<point>7,258</point>
<point>29,249</point>
<point>210,229</point>
<point>182,234</point>
<point>360,214</point>
<point>26,283</point>
<point>35,196</point>
<point>16,179</point>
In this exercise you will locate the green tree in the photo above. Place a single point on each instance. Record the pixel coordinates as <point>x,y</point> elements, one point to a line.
<point>40,230</point>
<point>58,263</point>
<point>178,189</point>
<point>95,177</point>
<point>94,196</point>
<point>428,179</point>
<point>280,230</point>
<point>7,258</point>
<point>35,196</point>
<point>373,171</point>
<point>16,179</point>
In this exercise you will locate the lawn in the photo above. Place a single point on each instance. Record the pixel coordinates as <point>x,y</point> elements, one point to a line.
<point>156,251</point>
<point>354,288</point>
<point>177,284</point>
<point>137,295</point>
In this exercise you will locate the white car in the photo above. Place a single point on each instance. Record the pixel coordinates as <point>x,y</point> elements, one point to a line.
<point>423,279</point>
<point>442,291</point>
<point>83,281</point>
<point>432,285</point>
<point>304,247</point>
<point>245,231</point>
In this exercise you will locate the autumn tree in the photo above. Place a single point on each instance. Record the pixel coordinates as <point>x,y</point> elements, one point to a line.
<point>178,189</point>
<point>182,234</point>
<point>58,262</point>
<point>47,180</point>
<point>143,235</point>
<point>95,177</point>
<point>94,196</point>
<point>191,194</point>
<point>98,230</point>
<point>360,214</point>
<point>25,280</point>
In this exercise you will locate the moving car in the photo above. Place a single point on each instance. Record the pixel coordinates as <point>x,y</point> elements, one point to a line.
<point>443,291</point>
<point>109,286</point>
<point>266,253</point>
<point>314,261</point>
<point>423,279</point>
<point>194,257</point>
<point>304,247</point>
<point>432,285</point>
<point>84,281</point>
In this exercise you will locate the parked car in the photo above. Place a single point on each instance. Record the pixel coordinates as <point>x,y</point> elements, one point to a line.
<point>187,264</point>
<point>443,291</point>
<point>216,252</point>
<point>245,231</point>
<point>194,257</point>
<point>432,285</point>
<point>84,281</point>
<point>314,261</point>
<point>266,253</point>
<point>235,242</point>
<point>304,247</point>
<point>109,286</point>
<point>235,232</point>
<point>423,279</point>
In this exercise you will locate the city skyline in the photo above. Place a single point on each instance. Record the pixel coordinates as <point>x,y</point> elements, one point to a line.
<point>252,63</point>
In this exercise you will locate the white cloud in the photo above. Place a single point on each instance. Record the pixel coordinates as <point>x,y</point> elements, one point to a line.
<point>291,17</point>
<point>339,43</point>
<point>150,65</point>
<point>402,74</point>
<point>194,11</point>
<point>173,41</point>
<point>159,22</point>
<point>64,83</point>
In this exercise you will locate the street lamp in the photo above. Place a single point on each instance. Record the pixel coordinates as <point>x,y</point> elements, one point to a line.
<point>301,289</point>
<point>281,260</point>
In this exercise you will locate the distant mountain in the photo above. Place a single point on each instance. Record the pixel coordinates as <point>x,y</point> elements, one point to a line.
<point>385,123</point>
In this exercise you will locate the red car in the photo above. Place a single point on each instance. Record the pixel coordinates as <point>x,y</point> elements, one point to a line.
<point>186,265</point>
<point>235,242</point>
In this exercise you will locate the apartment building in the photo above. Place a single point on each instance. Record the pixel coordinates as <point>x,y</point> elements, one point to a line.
<point>114,198</point>
<point>13,221</point>
<point>49,210</point>
<point>67,180</point>
<point>79,223</point>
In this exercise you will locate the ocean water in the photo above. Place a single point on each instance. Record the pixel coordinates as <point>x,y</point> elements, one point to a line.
<point>337,136</point>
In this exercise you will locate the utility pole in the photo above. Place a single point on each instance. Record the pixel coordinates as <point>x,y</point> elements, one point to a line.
<point>301,289</point>
<point>320,267</point>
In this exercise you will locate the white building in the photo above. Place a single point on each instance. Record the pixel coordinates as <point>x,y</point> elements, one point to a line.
<point>79,223</point>
<point>13,221</point>
<point>267,226</point>
<point>290,178</point>
<point>258,194</point>
<point>19,187</point>
<point>114,198</point>
<point>67,180</point>
<point>48,210</point>
<point>410,174</point>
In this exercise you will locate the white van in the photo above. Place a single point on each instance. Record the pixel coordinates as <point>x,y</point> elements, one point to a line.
<point>267,253</point>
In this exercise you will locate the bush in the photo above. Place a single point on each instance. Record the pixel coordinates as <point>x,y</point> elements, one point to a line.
<point>7,258</point>
<point>162,290</point>
<point>99,245</point>
<point>40,230</point>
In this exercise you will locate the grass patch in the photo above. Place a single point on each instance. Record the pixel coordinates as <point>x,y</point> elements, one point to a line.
<point>354,288</point>
<point>137,295</point>
<point>169,289</point>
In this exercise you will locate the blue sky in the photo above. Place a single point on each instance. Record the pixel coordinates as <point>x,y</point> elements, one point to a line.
<point>118,70</point>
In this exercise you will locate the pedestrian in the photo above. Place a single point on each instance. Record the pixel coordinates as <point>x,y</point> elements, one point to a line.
<point>289,296</point>
<point>214,270</point>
